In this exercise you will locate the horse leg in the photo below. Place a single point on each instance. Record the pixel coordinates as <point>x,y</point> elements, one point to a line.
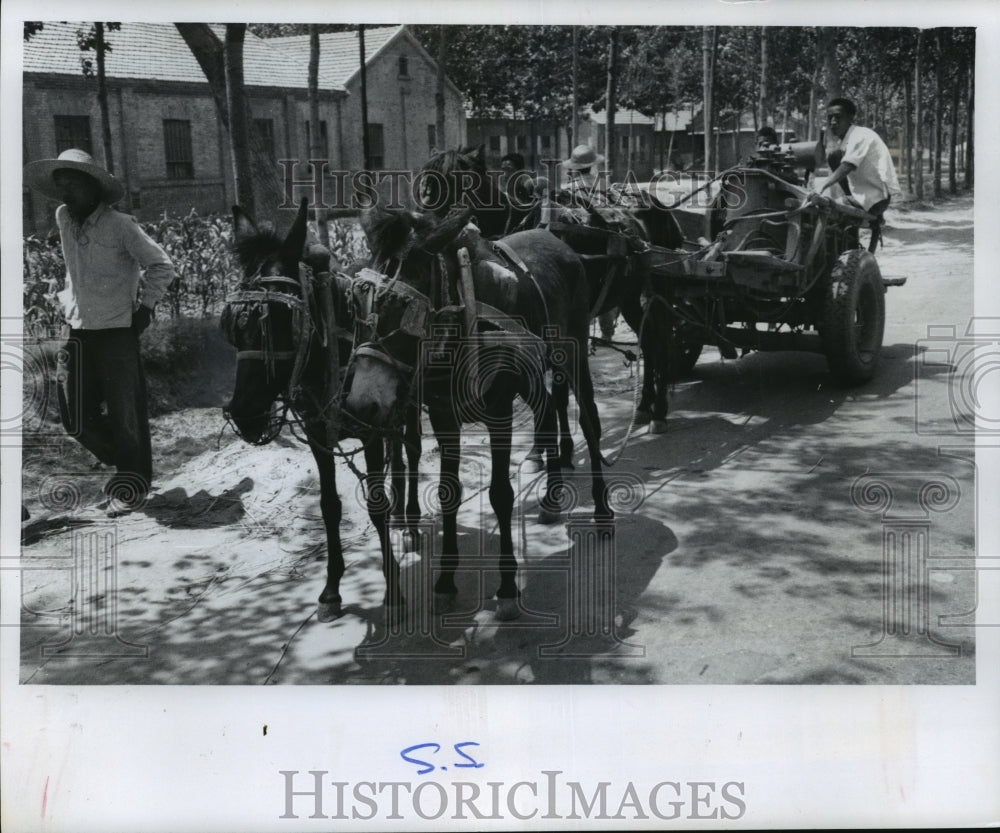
<point>330,506</point>
<point>546,440</point>
<point>560,397</point>
<point>447,431</point>
<point>398,478</point>
<point>590,425</point>
<point>502,501</point>
<point>411,440</point>
<point>657,350</point>
<point>633,313</point>
<point>378,511</point>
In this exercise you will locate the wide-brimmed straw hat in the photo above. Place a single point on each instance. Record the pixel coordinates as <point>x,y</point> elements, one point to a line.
<point>583,156</point>
<point>38,174</point>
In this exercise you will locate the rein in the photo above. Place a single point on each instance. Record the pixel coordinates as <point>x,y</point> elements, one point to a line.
<point>259,295</point>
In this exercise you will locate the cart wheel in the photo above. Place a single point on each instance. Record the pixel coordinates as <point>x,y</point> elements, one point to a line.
<point>684,352</point>
<point>854,317</point>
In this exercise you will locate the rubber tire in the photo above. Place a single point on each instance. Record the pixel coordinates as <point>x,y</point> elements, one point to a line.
<point>854,318</point>
<point>685,350</point>
<point>685,355</point>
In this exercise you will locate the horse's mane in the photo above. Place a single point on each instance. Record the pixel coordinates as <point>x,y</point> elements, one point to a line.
<point>446,161</point>
<point>256,248</point>
<point>266,244</point>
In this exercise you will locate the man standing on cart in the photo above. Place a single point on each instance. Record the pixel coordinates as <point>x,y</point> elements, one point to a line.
<point>861,164</point>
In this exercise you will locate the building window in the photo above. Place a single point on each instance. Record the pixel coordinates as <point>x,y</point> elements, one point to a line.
<point>323,139</point>
<point>546,143</point>
<point>432,138</point>
<point>642,142</point>
<point>73,132</point>
<point>265,132</point>
<point>625,142</point>
<point>522,143</point>
<point>404,66</point>
<point>177,148</point>
<point>494,144</point>
<point>376,146</point>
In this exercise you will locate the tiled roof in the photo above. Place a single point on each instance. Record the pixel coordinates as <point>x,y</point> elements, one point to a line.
<point>157,51</point>
<point>622,116</point>
<point>339,56</point>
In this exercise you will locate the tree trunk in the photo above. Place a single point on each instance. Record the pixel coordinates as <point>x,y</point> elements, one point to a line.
<point>970,147</point>
<point>938,112</point>
<point>102,98</point>
<point>736,137</point>
<point>764,102</point>
<point>908,131</point>
<point>953,133</point>
<point>814,95</point>
<point>316,150</point>
<point>209,51</point>
<point>828,59</point>
<point>239,121</point>
<point>610,151</point>
<point>575,104</point>
<point>442,57</point>
<point>708,35</point>
<point>918,127</point>
<point>365,148</point>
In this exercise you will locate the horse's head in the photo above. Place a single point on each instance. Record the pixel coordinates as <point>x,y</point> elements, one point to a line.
<point>451,178</point>
<point>263,320</point>
<point>394,310</point>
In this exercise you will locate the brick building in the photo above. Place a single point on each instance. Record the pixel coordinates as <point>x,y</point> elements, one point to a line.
<point>169,147</point>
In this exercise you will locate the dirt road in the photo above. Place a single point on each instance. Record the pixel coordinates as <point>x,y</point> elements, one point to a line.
<point>758,541</point>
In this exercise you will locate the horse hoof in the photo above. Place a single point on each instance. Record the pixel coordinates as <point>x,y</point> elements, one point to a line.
<point>444,602</point>
<point>533,464</point>
<point>642,417</point>
<point>329,611</point>
<point>658,426</point>
<point>508,609</point>
<point>548,517</point>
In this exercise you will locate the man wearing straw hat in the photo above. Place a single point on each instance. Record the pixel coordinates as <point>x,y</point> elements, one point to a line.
<point>102,388</point>
<point>583,175</point>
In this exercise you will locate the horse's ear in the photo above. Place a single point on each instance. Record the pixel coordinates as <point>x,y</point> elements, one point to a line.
<point>243,225</point>
<point>447,230</point>
<point>387,230</point>
<point>476,155</point>
<point>295,240</point>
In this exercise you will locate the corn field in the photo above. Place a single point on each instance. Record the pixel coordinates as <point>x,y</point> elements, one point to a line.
<point>200,249</point>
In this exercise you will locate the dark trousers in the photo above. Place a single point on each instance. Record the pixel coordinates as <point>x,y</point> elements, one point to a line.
<point>103,366</point>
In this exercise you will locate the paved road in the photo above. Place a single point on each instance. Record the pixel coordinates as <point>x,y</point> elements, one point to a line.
<point>750,543</point>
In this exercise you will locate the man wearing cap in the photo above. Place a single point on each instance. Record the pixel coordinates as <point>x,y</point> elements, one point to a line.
<point>102,388</point>
<point>860,161</point>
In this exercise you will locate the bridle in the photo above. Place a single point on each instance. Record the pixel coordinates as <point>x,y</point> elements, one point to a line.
<point>373,293</point>
<point>260,294</point>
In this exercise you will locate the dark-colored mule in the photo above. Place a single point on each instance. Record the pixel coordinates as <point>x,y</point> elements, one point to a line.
<point>291,324</point>
<point>467,358</point>
<point>611,240</point>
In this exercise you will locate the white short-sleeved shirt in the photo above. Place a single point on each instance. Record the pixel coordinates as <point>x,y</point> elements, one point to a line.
<point>874,176</point>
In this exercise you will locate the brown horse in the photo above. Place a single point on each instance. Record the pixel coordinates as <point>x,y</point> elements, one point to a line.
<point>291,324</point>
<point>467,363</point>
<point>610,239</point>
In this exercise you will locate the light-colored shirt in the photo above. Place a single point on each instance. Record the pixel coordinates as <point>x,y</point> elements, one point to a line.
<point>874,176</point>
<point>107,256</point>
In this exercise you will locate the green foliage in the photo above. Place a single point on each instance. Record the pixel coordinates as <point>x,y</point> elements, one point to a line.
<point>88,41</point>
<point>200,249</point>
<point>44,276</point>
